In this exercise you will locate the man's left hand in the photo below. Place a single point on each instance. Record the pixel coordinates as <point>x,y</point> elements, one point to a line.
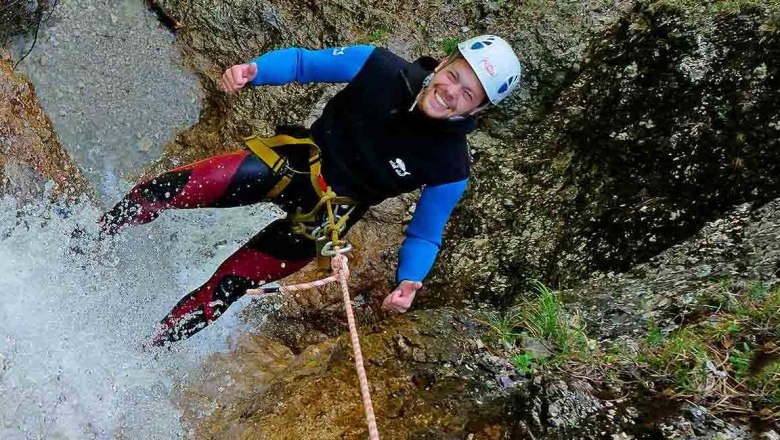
<point>400,299</point>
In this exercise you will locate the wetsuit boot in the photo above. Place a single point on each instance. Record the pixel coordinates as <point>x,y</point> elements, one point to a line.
<point>269,256</point>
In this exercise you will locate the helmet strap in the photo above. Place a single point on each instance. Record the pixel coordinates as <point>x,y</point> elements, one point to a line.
<point>426,82</point>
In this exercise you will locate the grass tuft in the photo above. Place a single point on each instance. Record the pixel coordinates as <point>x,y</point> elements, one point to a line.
<point>543,319</point>
<point>726,358</point>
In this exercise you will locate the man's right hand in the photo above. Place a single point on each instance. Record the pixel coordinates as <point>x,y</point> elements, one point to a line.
<point>236,77</point>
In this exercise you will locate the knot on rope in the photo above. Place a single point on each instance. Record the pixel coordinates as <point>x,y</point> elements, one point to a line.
<point>339,265</point>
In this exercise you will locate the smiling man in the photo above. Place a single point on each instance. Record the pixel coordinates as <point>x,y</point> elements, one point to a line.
<point>396,127</point>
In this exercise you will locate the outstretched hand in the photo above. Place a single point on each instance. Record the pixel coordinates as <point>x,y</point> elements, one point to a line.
<point>236,77</point>
<point>400,299</point>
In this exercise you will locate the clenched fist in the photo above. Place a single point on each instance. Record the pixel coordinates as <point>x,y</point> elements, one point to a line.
<point>400,299</point>
<point>236,77</point>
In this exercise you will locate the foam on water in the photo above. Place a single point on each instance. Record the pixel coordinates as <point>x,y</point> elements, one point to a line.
<point>75,314</point>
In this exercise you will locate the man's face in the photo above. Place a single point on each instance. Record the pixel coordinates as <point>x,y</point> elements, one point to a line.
<point>453,91</point>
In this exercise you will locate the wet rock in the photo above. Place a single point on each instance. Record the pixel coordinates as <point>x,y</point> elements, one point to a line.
<point>534,347</point>
<point>423,382</point>
<point>742,247</point>
<point>428,380</point>
<point>19,16</point>
<point>30,153</point>
<point>695,422</point>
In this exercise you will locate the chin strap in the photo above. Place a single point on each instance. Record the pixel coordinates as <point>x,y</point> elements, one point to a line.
<point>425,84</point>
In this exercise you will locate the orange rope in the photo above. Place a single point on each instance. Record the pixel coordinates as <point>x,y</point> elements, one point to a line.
<point>341,273</point>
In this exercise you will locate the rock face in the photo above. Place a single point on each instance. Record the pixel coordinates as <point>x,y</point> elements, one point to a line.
<point>30,153</point>
<point>672,120</point>
<point>741,247</point>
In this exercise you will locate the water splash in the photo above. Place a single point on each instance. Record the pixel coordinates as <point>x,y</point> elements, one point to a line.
<point>76,314</point>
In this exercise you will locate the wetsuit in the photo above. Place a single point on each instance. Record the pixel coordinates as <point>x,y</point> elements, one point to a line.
<point>373,147</point>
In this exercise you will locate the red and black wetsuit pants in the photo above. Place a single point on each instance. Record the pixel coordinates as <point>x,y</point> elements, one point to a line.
<point>233,179</point>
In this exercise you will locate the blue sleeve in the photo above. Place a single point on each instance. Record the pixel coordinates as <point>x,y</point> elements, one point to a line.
<point>283,66</point>
<point>423,236</point>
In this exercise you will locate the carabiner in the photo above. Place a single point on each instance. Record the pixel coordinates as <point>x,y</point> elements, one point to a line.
<point>328,250</point>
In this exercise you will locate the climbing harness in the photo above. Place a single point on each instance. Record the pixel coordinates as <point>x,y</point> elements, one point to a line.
<point>307,223</point>
<point>326,235</point>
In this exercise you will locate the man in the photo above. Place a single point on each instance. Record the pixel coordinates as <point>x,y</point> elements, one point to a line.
<point>396,127</point>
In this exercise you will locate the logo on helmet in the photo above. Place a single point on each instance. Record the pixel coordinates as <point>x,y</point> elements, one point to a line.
<point>489,68</point>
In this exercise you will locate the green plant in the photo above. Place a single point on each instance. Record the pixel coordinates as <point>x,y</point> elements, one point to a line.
<point>376,35</point>
<point>739,359</point>
<point>544,319</point>
<point>725,328</point>
<point>448,45</point>
<point>771,25</point>
<point>684,358</point>
<point>712,360</point>
<point>503,328</point>
<point>766,386</point>
<point>757,291</point>
<point>654,335</point>
<point>524,362</point>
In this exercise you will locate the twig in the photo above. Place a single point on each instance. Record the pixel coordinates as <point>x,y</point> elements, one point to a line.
<point>38,20</point>
<point>165,18</point>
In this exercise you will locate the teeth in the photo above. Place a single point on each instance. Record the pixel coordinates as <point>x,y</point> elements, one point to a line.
<point>440,100</point>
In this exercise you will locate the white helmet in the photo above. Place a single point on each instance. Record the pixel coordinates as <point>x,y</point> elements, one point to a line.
<point>495,64</point>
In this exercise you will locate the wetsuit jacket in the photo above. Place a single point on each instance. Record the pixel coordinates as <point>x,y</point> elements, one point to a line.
<point>373,146</point>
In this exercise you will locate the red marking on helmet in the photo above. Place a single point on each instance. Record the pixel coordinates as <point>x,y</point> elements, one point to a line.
<point>488,67</point>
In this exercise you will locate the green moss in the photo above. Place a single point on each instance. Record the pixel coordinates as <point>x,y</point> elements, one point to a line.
<point>373,36</point>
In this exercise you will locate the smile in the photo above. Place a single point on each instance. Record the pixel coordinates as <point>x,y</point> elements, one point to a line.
<point>440,100</point>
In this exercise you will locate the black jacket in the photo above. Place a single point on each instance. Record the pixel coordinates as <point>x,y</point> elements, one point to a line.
<point>374,148</point>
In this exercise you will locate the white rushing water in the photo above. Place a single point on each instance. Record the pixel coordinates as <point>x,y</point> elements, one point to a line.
<point>75,314</point>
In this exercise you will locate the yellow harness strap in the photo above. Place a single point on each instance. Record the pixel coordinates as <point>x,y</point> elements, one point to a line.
<point>303,222</point>
<point>263,148</point>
